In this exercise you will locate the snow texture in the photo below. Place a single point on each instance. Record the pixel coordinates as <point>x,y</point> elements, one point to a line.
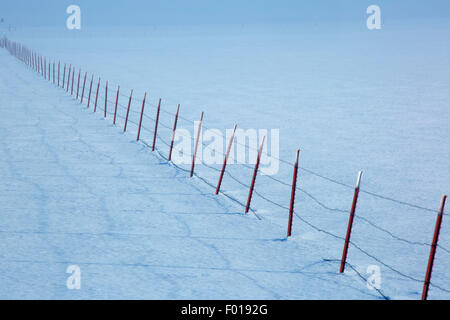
<point>78,191</point>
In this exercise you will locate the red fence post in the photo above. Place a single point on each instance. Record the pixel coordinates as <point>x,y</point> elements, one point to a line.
<point>252,186</point>
<point>128,111</point>
<point>78,85</point>
<point>73,76</point>
<point>225,160</point>
<point>156,124</point>
<point>437,229</point>
<point>350,223</point>
<point>68,78</point>
<point>173,132</point>
<point>64,76</point>
<point>294,185</point>
<point>140,119</point>
<point>106,98</point>
<point>69,75</point>
<point>90,89</point>
<point>196,144</point>
<point>117,100</point>
<point>96,95</point>
<point>84,84</point>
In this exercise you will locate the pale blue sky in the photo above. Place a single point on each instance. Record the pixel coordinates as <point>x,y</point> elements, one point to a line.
<point>148,12</point>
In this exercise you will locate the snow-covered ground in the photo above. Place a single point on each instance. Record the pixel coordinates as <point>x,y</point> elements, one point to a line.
<point>76,190</point>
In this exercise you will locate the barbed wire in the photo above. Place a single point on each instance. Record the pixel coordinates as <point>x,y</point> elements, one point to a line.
<point>329,233</point>
<point>308,194</point>
<point>312,172</point>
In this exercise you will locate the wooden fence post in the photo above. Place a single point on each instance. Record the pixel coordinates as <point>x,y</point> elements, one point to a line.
<point>128,111</point>
<point>96,95</point>
<point>199,129</point>
<point>84,84</point>
<point>78,85</point>
<point>350,223</point>
<point>90,89</point>
<point>64,76</point>
<point>106,98</point>
<point>140,119</point>
<point>173,132</point>
<point>294,185</point>
<point>68,78</point>
<point>115,107</point>
<point>73,76</point>
<point>252,186</point>
<point>156,124</point>
<point>437,229</point>
<point>225,160</point>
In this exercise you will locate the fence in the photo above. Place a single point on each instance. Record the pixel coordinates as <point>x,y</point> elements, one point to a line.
<point>51,70</point>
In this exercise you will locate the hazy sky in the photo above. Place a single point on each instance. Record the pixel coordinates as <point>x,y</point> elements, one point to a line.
<point>150,12</point>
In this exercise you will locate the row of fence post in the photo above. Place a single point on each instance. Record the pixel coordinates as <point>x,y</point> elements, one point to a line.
<point>39,64</point>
